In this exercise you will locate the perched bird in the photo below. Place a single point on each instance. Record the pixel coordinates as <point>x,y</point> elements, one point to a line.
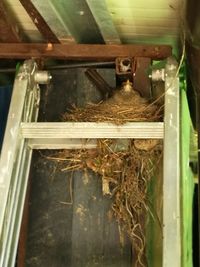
<point>127,94</point>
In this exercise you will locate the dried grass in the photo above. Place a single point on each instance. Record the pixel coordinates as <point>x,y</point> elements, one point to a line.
<point>121,108</point>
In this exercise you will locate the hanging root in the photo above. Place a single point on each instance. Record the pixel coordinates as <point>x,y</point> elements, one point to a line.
<point>126,175</point>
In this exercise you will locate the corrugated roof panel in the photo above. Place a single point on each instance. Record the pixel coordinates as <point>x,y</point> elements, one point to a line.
<point>135,21</point>
<point>154,31</point>
<point>140,12</point>
<point>151,22</point>
<point>145,4</point>
<point>142,20</point>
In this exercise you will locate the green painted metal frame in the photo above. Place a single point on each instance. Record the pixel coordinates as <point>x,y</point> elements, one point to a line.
<point>187,178</point>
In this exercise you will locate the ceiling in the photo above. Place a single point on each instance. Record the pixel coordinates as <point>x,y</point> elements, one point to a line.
<point>91,21</point>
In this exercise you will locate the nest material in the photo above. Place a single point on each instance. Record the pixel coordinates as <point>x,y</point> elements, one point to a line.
<point>125,173</point>
<point>121,108</point>
<point>125,176</point>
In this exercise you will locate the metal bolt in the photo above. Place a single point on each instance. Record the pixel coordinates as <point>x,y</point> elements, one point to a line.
<point>158,75</point>
<point>42,77</point>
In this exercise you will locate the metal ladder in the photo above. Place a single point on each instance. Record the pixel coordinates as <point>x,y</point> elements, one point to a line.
<point>23,134</point>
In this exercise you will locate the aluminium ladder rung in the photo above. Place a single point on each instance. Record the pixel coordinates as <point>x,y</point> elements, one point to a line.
<point>92,130</point>
<point>69,135</point>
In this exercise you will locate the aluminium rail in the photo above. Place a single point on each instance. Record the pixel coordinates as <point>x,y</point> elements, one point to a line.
<point>23,134</point>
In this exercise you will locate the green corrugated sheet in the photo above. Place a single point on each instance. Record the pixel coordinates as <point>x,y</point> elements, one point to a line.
<point>154,224</point>
<point>187,179</point>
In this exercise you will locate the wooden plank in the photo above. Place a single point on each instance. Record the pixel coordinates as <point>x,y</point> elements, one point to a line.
<point>39,21</point>
<point>104,21</point>
<point>8,31</point>
<point>83,52</point>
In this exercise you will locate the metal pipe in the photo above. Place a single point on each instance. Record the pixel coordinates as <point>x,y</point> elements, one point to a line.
<point>81,65</point>
<point>67,66</point>
<point>10,70</point>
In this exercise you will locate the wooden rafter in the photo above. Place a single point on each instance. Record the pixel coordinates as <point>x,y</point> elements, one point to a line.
<point>39,21</point>
<point>83,52</point>
<point>54,19</point>
<point>8,32</point>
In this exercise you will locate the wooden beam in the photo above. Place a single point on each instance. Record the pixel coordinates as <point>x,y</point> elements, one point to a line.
<point>83,52</point>
<point>104,21</point>
<point>39,21</point>
<point>8,32</point>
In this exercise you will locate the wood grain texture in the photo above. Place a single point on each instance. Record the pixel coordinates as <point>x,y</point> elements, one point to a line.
<point>39,21</point>
<point>83,52</point>
<point>8,31</point>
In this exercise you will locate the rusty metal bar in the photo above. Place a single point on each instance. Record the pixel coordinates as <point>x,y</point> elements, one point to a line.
<point>39,21</point>
<point>83,52</point>
<point>142,83</point>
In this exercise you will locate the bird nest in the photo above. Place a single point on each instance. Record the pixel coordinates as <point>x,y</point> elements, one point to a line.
<point>125,105</point>
<point>125,168</point>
